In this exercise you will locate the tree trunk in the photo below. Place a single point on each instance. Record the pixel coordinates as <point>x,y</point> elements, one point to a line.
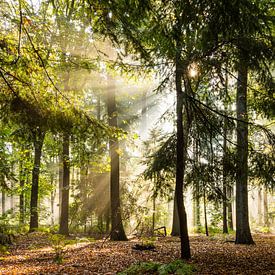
<point>117,230</point>
<point>38,139</point>
<point>224,178</point>
<point>22,179</point>
<point>243,235</point>
<point>64,218</point>
<point>3,201</point>
<point>230,208</point>
<point>182,136</point>
<point>266,220</point>
<point>154,214</point>
<point>260,202</point>
<point>52,200</point>
<point>176,222</point>
<point>60,184</point>
<point>205,214</point>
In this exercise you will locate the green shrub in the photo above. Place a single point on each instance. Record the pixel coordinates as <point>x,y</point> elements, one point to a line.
<point>175,267</point>
<point>141,268</point>
<point>4,249</point>
<point>58,244</point>
<point>265,229</point>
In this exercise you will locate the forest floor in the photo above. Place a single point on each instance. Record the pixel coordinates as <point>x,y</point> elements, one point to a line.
<point>34,254</point>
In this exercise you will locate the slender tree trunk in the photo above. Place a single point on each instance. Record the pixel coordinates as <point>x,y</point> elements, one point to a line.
<point>38,144</point>
<point>196,195</point>
<point>60,184</point>
<point>205,214</point>
<point>182,136</point>
<point>260,202</point>
<point>22,180</point>
<point>117,231</point>
<point>154,214</point>
<point>224,178</point>
<point>230,208</point>
<point>52,200</point>
<point>243,234</point>
<point>64,218</point>
<point>266,220</point>
<point>3,201</point>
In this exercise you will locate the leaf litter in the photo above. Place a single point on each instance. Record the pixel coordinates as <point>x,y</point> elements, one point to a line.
<point>33,254</point>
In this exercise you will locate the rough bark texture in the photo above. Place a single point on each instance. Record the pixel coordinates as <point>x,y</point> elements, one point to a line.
<point>182,135</point>
<point>117,230</point>
<point>38,139</point>
<point>243,235</point>
<point>64,217</point>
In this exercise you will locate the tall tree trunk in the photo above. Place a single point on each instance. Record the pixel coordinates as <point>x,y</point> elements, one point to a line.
<point>154,214</point>
<point>3,201</point>
<point>196,192</point>
<point>260,202</point>
<point>60,184</point>
<point>38,139</point>
<point>205,214</point>
<point>64,218</point>
<point>224,178</point>
<point>230,208</point>
<point>52,199</point>
<point>117,230</point>
<point>243,234</point>
<point>22,179</point>
<point>176,222</point>
<point>182,136</point>
<point>266,220</point>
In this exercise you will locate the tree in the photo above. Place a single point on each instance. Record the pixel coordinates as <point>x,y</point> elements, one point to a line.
<point>64,215</point>
<point>117,230</point>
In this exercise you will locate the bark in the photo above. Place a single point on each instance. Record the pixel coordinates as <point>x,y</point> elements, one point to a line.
<point>38,139</point>
<point>154,214</point>
<point>205,214</point>
<point>176,222</point>
<point>196,196</point>
<point>117,230</point>
<point>22,179</point>
<point>64,218</point>
<point>266,220</point>
<point>230,208</point>
<point>260,202</point>
<point>52,200</point>
<point>60,184</point>
<point>243,234</point>
<point>3,201</point>
<point>182,135</point>
<point>224,179</point>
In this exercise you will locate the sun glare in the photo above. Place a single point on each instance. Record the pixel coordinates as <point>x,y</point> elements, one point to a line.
<point>193,70</point>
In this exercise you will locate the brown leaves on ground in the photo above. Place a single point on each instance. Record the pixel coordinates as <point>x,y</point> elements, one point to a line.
<point>211,255</point>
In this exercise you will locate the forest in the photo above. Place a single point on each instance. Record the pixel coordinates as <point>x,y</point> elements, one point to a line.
<point>137,137</point>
